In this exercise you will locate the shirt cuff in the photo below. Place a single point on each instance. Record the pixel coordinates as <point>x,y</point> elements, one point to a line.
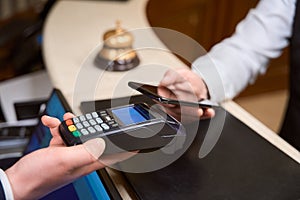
<point>205,67</point>
<point>6,185</point>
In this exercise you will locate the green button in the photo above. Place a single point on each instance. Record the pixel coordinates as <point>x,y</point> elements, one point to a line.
<point>76,134</point>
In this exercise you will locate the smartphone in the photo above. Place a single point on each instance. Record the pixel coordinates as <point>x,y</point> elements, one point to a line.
<point>151,91</point>
<point>124,128</point>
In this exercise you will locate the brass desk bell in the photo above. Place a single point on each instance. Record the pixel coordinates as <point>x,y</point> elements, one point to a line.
<point>117,53</point>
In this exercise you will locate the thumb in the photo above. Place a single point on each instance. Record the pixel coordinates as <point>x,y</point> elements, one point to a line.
<point>95,147</point>
<point>84,154</point>
<point>169,78</point>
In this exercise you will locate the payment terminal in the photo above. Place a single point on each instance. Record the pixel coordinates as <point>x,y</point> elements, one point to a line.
<point>124,128</point>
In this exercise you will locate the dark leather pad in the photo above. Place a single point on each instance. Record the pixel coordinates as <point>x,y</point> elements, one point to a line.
<point>242,165</point>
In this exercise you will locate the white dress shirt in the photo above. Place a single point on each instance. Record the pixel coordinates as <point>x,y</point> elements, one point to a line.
<point>236,61</point>
<point>6,186</point>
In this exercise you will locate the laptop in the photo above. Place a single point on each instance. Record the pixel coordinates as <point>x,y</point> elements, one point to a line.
<point>95,186</point>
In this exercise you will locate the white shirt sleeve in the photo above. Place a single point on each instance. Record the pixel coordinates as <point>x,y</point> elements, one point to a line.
<point>236,61</point>
<point>6,185</point>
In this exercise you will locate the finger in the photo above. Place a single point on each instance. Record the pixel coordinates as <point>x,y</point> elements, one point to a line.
<point>184,86</point>
<point>208,113</point>
<point>166,105</point>
<point>164,91</point>
<point>163,105</point>
<point>170,77</point>
<point>96,148</point>
<point>173,111</point>
<point>52,123</point>
<point>82,155</point>
<point>200,112</point>
<point>108,160</point>
<point>68,115</point>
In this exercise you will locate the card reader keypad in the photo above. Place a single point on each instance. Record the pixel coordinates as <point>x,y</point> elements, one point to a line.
<point>91,123</point>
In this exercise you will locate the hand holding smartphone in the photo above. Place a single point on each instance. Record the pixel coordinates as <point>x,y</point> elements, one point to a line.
<point>161,94</point>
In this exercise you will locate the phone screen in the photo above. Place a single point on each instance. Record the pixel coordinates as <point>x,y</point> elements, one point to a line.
<point>160,93</point>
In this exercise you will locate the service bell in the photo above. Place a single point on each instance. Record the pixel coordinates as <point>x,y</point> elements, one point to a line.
<point>117,53</point>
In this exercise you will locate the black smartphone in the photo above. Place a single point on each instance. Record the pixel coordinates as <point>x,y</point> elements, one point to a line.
<point>151,91</point>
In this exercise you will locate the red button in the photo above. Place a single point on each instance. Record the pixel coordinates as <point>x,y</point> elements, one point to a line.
<point>69,122</point>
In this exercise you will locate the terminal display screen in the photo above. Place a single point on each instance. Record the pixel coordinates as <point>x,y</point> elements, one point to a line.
<point>129,115</point>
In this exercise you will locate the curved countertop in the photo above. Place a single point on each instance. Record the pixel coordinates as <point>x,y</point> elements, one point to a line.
<point>73,37</point>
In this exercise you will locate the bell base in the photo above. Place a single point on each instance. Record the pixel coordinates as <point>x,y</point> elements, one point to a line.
<point>116,65</point>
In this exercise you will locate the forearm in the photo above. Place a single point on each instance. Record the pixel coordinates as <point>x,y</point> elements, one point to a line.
<point>235,62</point>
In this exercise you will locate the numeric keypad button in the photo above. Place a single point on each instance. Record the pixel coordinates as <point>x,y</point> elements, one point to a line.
<point>95,114</point>
<point>79,126</point>
<point>82,118</point>
<point>105,126</point>
<point>99,120</point>
<point>86,124</point>
<point>76,120</point>
<point>98,127</point>
<point>84,132</point>
<point>91,130</point>
<point>88,116</point>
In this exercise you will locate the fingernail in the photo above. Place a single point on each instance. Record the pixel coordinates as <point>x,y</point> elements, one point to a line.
<point>95,147</point>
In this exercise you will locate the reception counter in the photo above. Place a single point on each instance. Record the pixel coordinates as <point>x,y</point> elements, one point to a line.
<point>72,39</point>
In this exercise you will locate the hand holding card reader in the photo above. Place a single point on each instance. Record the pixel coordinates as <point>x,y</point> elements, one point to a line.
<point>125,128</point>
